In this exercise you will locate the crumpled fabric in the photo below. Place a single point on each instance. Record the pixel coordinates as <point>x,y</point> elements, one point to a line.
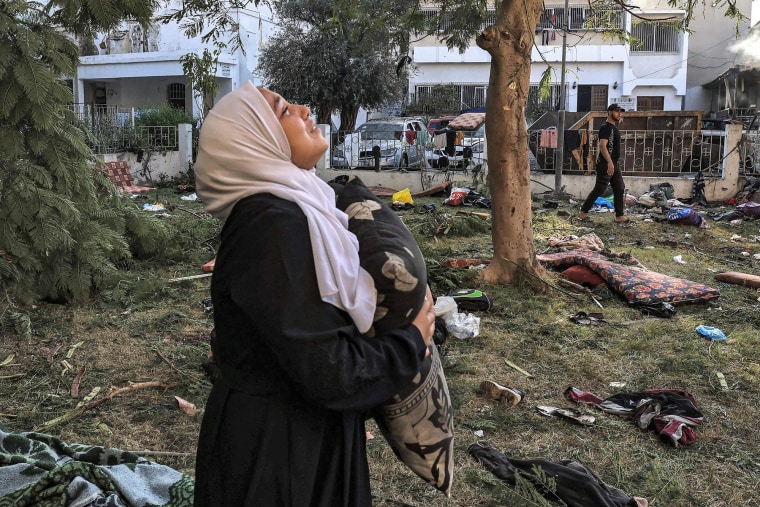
<point>588,241</point>
<point>671,413</point>
<point>576,484</point>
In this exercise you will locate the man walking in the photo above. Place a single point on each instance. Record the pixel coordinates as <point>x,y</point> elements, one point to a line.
<point>607,170</point>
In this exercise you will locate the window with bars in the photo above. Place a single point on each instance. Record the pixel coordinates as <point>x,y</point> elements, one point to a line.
<point>581,18</point>
<point>655,37</point>
<point>176,95</point>
<point>449,97</point>
<point>446,23</point>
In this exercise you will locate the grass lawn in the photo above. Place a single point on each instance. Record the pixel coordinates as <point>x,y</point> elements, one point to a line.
<point>147,328</point>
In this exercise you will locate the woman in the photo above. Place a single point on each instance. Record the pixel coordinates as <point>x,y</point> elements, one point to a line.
<point>284,424</point>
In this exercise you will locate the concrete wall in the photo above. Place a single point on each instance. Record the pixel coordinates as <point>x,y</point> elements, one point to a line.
<point>170,164</point>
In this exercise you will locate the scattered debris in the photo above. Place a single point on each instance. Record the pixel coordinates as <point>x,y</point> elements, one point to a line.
<point>565,413</point>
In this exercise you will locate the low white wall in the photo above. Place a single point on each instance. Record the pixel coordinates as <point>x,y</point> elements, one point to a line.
<point>716,189</point>
<point>155,164</point>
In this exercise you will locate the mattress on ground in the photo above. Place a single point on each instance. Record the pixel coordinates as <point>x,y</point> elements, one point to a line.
<point>636,285</point>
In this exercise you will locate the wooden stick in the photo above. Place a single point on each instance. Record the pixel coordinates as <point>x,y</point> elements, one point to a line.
<point>81,408</point>
<point>513,365</point>
<point>6,377</point>
<point>122,390</point>
<point>163,453</point>
<point>193,277</point>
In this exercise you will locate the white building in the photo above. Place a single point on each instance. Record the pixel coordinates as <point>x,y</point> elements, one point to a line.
<point>724,61</point>
<point>130,66</point>
<point>600,70</point>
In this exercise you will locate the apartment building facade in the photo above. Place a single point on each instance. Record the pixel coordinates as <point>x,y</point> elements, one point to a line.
<point>134,65</point>
<point>652,73</point>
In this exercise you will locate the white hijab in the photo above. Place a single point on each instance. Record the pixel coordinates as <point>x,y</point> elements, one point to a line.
<point>244,151</point>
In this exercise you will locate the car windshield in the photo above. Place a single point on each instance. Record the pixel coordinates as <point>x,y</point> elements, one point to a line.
<point>380,131</point>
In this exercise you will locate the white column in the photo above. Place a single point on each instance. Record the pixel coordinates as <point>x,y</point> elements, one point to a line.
<point>185,144</point>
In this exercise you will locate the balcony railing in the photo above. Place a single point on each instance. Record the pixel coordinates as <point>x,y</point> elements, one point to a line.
<point>643,152</point>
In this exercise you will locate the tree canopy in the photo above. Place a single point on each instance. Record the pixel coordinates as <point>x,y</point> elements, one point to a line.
<point>337,56</point>
<point>63,225</point>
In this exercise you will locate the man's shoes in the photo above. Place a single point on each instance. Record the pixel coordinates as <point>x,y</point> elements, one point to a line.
<point>507,395</point>
<point>622,220</point>
<point>584,217</point>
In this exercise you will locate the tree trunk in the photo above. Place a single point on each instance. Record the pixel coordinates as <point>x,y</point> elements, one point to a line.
<point>324,114</point>
<point>348,114</point>
<point>509,42</point>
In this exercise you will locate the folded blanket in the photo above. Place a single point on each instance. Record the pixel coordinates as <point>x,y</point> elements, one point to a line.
<point>42,471</point>
<point>638,286</point>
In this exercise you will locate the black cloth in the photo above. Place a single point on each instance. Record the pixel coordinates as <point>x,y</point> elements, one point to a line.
<point>612,134</point>
<point>576,484</point>
<point>284,424</point>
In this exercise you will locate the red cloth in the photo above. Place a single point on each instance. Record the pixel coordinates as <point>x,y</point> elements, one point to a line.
<point>583,275</point>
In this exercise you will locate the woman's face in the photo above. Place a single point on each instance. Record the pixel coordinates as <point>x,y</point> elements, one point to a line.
<point>306,141</point>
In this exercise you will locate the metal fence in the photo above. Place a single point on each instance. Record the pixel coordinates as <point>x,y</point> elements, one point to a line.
<point>111,129</point>
<point>643,152</point>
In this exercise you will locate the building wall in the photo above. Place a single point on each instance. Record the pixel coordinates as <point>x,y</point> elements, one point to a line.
<point>590,59</point>
<point>713,50</point>
<point>133,67</point>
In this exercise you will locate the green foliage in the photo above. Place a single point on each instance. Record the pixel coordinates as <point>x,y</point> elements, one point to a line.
<point>85,17</point>
<point>337,56</point>
<point>63,224</point>
<point>201,72</point>
<point>442,100</point>
<point>150,116</point>
<point>212,21</point>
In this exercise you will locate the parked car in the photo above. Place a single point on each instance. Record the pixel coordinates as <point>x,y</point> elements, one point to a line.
<point>393,142</point>
<point>435,125</point>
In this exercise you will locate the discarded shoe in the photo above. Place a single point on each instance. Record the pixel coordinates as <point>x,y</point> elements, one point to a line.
<point>507,395</point>
<point>566,413</point>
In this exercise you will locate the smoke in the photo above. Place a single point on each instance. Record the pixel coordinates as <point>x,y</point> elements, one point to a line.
<point>747,49</point>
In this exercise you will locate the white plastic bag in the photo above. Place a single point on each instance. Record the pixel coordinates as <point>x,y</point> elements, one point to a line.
<point>445,306</point>
<point>463,325</point>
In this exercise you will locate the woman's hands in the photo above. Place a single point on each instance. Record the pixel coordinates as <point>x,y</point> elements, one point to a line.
<point>425,320</point>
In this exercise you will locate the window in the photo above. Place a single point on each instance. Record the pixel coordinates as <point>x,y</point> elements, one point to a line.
<point>176,95</point>
<point>451,97</point>
<point>655,37</point>
<point>446,23</point>
<point>645,103</point>
<point>581,18</point>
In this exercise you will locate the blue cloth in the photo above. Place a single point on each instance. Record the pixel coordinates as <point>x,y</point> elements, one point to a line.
<point>713,333</point>
<point>601,201</point>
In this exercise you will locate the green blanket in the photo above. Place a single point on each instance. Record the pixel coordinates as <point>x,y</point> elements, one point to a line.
<point>42,471</point>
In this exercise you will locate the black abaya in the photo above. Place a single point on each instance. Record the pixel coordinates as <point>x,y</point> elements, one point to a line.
<point>284,424</point>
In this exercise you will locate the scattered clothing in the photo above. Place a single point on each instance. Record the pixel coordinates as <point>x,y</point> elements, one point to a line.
<point>44,471</point>
<point>576,484</point>
<point>588,241</point>
<point>672,413</point>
